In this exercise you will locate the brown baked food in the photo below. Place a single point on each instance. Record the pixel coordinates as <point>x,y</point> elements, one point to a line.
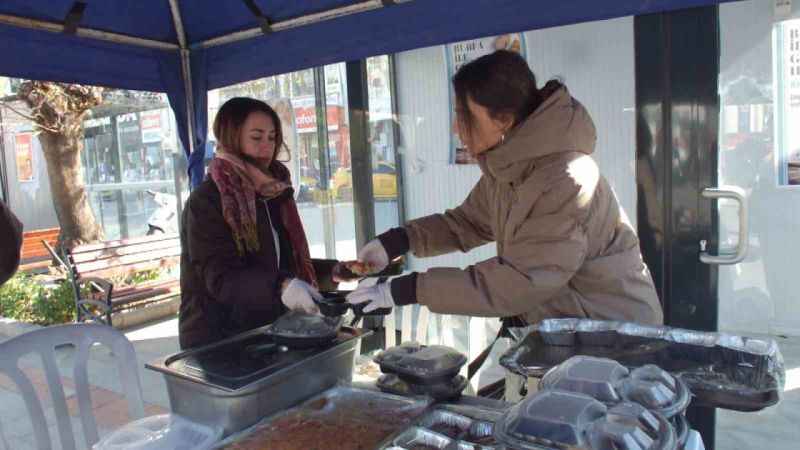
<point>339,422</point>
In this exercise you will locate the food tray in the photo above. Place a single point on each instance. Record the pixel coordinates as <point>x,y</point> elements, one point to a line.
<point>721,370</point>
<point>342,418</point>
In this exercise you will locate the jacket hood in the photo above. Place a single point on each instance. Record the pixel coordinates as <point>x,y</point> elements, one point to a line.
<point>560,125</point>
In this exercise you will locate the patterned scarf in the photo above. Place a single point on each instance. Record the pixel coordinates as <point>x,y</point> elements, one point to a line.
<point>239,182</point>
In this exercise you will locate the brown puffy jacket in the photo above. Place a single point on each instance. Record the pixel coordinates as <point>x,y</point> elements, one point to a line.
<point>564,246</point>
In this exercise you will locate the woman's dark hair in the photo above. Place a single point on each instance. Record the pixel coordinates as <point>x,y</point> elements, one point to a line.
<point>502,83</point>
<point>231,117</point>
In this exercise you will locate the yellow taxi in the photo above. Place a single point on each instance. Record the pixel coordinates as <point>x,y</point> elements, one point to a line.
<point>384,182</point>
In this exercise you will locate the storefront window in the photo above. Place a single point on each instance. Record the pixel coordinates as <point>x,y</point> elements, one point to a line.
<point>382,144</point>
<point>130,148</point>
<point>128,156</point>
<point>327,212</point>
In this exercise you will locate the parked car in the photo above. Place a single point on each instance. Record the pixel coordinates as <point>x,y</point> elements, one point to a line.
<point>384,182</point>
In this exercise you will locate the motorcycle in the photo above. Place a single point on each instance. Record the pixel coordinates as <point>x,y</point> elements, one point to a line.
<point>165,217</point>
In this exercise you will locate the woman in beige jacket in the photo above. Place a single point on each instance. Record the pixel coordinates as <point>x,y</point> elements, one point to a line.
<point>564,246</point>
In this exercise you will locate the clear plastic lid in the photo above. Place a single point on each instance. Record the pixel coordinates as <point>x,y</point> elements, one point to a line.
<point>630,426</point>
<point>551,418</point>
<point>609,382</point>
<point>161,432</point>
<point>596,377</point>
<point>420,361</point>
<point>304,325</point>
<point>656,389</point>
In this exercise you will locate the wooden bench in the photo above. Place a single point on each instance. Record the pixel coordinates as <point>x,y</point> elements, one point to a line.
<point>34,254</point>
<point>92,266</point>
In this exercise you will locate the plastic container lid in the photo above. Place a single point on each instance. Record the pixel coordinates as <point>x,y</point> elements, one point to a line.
<point>596,377</point>
<point>297,324</point>
<point>165,431</point>
<point>547,418</point>
<point>630,426</point>
<point>611,383</point>
<point>657,390</point>
<point>422,364</point>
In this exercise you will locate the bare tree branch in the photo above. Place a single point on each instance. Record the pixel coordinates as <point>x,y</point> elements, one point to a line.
<point>25,116</point>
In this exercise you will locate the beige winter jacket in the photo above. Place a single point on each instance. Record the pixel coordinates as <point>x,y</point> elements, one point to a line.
<point>564,246</point>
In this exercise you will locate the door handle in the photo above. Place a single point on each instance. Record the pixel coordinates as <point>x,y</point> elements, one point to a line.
<point>737,194</point>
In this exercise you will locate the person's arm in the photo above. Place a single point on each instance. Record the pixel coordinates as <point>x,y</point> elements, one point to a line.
<point>10,243</point>
<point>539,263</point>
<point>214,257</point>
<point>546,251</point>
<point>462,228</point>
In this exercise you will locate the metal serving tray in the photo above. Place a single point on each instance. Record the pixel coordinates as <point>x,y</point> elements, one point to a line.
<point>237,402</point>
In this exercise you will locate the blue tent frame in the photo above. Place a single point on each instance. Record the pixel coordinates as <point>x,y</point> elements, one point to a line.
<point>186,48</point>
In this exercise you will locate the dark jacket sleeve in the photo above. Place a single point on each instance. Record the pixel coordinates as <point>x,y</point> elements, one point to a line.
<point>227,277</point>
<point>10,243</point>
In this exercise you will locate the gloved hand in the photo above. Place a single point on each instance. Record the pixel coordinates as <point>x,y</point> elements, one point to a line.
<point>379,295</point>
<point>299,295</point>
<point>374,254</point>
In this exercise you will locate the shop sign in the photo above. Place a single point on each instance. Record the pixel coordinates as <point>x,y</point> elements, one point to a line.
<point>150,123</point>
<point>305,113</point>
<point>459,53</point>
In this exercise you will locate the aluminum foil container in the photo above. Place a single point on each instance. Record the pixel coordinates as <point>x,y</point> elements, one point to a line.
<point>420,438</point>
<point>446,423</point>
<point>481,435</point>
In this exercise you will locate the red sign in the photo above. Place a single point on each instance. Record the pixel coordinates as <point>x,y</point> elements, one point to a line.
<point>306,118</point>
<point>24,147</point>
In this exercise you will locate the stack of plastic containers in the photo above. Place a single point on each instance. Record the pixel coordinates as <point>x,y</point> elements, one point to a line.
<point>613,385</point>
<point>411,369</point>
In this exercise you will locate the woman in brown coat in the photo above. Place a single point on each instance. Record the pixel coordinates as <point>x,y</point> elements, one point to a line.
<point>564,245</point>
<point>245,257</point>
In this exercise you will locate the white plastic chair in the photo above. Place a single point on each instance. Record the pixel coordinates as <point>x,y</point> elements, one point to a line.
<point>82,336</point>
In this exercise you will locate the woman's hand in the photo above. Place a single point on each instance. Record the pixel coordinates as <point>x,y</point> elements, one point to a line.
<point>296,294</point>
<point>375,255</point>
<point>379,295</point>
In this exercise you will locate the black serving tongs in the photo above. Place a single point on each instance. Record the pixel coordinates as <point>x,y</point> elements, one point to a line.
<point>334,304</point>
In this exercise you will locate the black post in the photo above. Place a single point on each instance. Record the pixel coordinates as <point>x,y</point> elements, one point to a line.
<point>677,70</point>
<point>360,152</point>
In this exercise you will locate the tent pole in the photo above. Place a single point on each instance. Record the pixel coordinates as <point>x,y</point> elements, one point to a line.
<point>186,70</point>
<point>55,27</point>
<point>309,19</point>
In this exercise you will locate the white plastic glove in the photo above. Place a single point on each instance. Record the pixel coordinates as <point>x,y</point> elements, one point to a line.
<point>379,295</point>
<point>299,295</point>
<point>374,254</point>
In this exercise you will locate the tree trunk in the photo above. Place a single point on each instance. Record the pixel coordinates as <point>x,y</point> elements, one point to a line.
<point>70,199</point>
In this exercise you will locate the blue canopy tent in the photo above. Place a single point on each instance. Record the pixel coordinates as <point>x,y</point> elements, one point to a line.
<point>184,48</point>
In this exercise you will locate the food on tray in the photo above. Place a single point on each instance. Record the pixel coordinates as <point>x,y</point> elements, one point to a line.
<point>352,270</point>
<point>360,268</point>
<point>333,422</point>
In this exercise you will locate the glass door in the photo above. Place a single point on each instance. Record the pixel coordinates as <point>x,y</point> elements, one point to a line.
<point>759,152</point>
